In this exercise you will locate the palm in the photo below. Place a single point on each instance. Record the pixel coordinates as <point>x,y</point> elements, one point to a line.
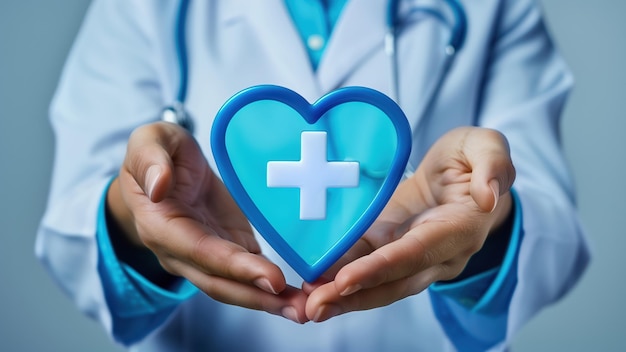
<point>183,213</point>
<point>195,194</point>
<point>433,223</point>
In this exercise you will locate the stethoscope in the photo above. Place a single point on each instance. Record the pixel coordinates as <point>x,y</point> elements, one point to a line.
<point>176,112</point>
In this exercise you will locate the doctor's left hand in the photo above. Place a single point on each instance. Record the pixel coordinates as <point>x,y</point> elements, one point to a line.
<point>435,221</point>
<point>168,201</point>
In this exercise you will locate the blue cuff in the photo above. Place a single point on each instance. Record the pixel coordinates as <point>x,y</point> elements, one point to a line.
<point>474,312</point>
<point>489,292</point>
<point>137,306</point>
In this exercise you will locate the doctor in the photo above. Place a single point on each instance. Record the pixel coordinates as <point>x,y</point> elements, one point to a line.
<point>143,236</point>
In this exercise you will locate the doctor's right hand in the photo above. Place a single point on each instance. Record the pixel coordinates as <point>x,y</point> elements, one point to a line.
<point>167,200</point>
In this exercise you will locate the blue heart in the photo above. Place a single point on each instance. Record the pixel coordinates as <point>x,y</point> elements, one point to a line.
<point>262,124</point>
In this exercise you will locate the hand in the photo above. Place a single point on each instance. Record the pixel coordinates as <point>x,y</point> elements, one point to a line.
<point>430,228</point>
<point>167,199</point>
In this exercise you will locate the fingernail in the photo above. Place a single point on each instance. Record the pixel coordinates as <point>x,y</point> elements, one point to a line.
<point>326,312</point>
<point>152,177</point>
<point>290,313</point>
<point>495,189</point>
<point>350,290</point>
<point>265,285</point>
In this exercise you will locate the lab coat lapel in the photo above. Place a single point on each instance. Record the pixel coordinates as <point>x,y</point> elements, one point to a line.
<point>421,55</point>
<point>274,28</point>
<point>361,27</point>
<point>359,37</point>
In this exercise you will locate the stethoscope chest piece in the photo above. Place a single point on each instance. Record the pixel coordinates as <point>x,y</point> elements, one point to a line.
<point>177,114</point>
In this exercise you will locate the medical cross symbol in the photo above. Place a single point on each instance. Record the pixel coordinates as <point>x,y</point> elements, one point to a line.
<point>313,175</point>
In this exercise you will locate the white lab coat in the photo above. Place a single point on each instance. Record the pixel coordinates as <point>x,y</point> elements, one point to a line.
<point>123,70</point>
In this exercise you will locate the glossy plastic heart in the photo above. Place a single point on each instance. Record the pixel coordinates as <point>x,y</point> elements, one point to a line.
<point>263,133</point>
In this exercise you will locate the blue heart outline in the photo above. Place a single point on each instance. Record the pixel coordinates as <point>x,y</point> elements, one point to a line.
<point>311,114</point>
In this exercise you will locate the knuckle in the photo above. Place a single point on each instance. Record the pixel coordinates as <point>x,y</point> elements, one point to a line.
<point>383,275</point>
<point>228,266</point>
<point>511,173</point>
<point>451,269</point>
<point>210,287</point>
<point>149,237</point>
<point>150,241</point>
<point>199,250</point>
<point>495,135</point>
<point>449,274</point>
<point>473,247</point>
<point>424,257</point>
<point>428,259</point>
<point>168,265</point>
<point>146,130</point>
<point>223,261</point>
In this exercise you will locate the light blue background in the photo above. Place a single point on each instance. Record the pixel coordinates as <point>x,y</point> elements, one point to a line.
<point>35,36</point>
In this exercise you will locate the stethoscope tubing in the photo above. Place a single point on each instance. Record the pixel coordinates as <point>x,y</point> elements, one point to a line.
<point>455,42</point>
<point>177,113</point>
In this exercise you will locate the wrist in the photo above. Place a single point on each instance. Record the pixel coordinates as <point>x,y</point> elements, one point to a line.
<point>127,245</point>
<point>493,250</point>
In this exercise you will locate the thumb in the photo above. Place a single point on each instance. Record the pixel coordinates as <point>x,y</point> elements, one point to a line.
<point>493,172</point>
<point>154,185</point>
<point>149,158</point>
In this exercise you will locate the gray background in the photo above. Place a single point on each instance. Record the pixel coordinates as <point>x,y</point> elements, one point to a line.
<point>35,36</point>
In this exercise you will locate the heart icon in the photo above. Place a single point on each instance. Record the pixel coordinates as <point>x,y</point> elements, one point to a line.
<point>311,178</point>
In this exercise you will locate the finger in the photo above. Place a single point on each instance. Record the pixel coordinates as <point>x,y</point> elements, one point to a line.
<point>361,247</point>
<point>326,302</point>
<point>426,245</point>
<point>379,234</point>
<point>492,169</point>
<point>229,217</point>
<point>290,303</point>
<point>406,201</point>
<point>383,231</point>
<point>199,246</point>
<point>149,157</point>
<point>309,287</point>
<point>358,250</point>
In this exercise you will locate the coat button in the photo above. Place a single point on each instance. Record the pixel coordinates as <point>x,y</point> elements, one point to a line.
<point>315,42</point>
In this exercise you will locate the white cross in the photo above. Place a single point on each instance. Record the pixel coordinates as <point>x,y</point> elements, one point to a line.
<point>313,174</point>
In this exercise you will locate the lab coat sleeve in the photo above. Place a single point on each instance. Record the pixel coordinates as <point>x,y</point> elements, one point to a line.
<point>488,292</point>
<point>137,306</point>
<point>524,90</point>
<point>112,83</point>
